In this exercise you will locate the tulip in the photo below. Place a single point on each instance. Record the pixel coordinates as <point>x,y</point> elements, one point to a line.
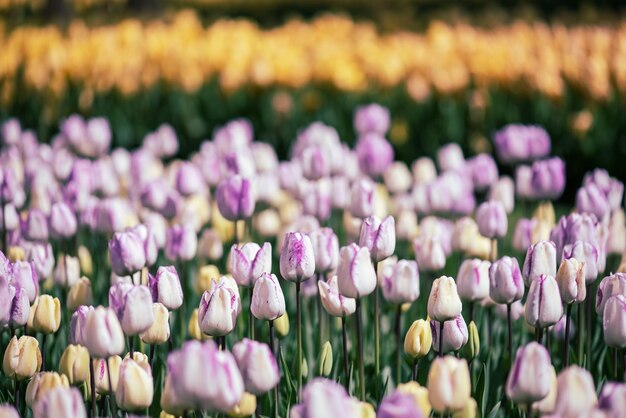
<point>419,395</point>
<point>483,171</point>
<point>543,306</point>
<point>35,227</point>
<point>135,387</point>
<point>8,411</point>
<point>418,340</point>
<point>449,384</point>
<point>505,281</point>
<point>165,288</point>
<point>63,223</point>
<point>315,162</point>
<point>614,321</point>
<point>455,335</point>
<point>503,191</point>
<point>399,405</point>
<point>616,241</point>
<point>268,301</point>
<point>159,331</point>
<point>127,253</point>
<point>219,308</point>
<point>257,365</point>
<point>107,373</point>
<point>612,285</point>
<point>584,252</point>
<point>547,178</point>
<point>74,364</point>
<point>25,277</point>
<point>540,259</point>
<point>249,262</point>
<point>325,398</point>
<point>41,384</point>
<point>523,234</point>
<point>612,397</point>
<point>77,324</point>
<point>374,154</point>
<point>60,402</point>
<point>149,239</point>
<point>473,280</point>
<point>67,272</point>
<point>397,177</point>
<point>245,408</point>
<point>210,245</point>
<point>133,307</point>
<point>492,220</point>
<point>181,243</point>
<point>515,143</point>
<point>529,380</point>
<point>189,179</point>
<point>22,358</point>
<point>84,258</point>
<point>235,198</point>
<point>46,313</point>
<point>14,305</point>
<point>378,236</point>
<point>102,334</point>
<point>334,302</point>
<point>444,303</point>
<point>450,157</point>
<point>371,118</point>
<point>591,199</point>
<point>355,274</point>
<point>429,253</point>
<point>401,285</point>
<point>42,258</point>
<point>571,281</point>
<point>326,249</point>
<point>80,294</point>
<point>576,394</point>
<point>362,198</point>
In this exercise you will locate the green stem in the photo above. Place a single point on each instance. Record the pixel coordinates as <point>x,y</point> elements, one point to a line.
<point>440,354</point>
<point>112,397</point>
<point>92,382</point>
<point>398,327</point>
<point>359,333</point>
<point>580,334</point>
<point>589,323</point>
<point>273,348</point>
<point>345,354</point>
<point>414,373</point>
<point>251,317</point>
<point>376,329</point>
<point>568,314</point>
<point>299,337</point>
<point>510,326</point>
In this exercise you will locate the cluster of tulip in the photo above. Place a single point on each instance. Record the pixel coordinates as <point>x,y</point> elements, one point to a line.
<point>166,219</point>
<point>332,50</point>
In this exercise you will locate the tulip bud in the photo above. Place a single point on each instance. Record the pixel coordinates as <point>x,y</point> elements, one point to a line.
<point>505,281</point>
<point>419,394</point>
<point>86,263</point>
<point>401,284</point>
<point>586,253</point>
<point>63,223</point>
<point>245,408</point>
<point>455,334</point>
<point>305,368</point>
<point>540,259</point>
<point>80,294</point>
<point>576,394</point>
<point>471,349</point>
<point>194,328</point>
<point>543,303</point>
<point>335,399</point>
<point>614,321</point>
<point>210,245</point>
<point>77,324</point>
<point>46,312</point>
<point>444,303</point>
<point>282,324</point>
<point>473,280</point>
<point>258,366</point>
<point>398,405</point>
<point>165,288</point>
<point>449,384</point>
<point>60,402</point>
<point>378,236</point>
<point>355,274</point>
<point>42,383</point>
<point>74,364</point>
<point>249,262</point>
<point>362,198</point>
<point>235,198</point>
<point>25,276</point>
<point>101,374</point>
<point>612,285</point>
<point>268,301</point>
<point>219,308</point>
<point>127,253</point>
<point>135,387</point>
<point>429,253</point>
<point>133,307</point>
<point>297,259</point>
<point>366,410</point>
<point>326,360</point>
<point>326,249</point>
<point>418,339</point>
<point>159,331</point>
<point>529,380</point>
<point>14,305</point>
<point>103,335</point>
<point>571,281</point>
<point>181,243</point>
<point>492,220</point>
<point>22,358</point>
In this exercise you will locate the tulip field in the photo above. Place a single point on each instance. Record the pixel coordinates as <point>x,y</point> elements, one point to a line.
<point>339,282</point>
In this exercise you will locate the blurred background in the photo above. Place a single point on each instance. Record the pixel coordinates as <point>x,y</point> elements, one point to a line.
<point>449,71</point>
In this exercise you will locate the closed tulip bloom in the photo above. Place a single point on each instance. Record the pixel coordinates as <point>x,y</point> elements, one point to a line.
<point>374,154</point>
<point>150,247</point>
<point>449,386</point>
<point>78,322</point>
<point>529,380</point>
<point>46,313</point>
<point>74,364</point>
<point>418,339</point>
<point>586,253</point>
<point>8,411</point>
<point>334,302</point>
<point>450,157</point>
<point>616,241</point>
<point>268,301</point>
<point>571,281</point>
<point>591,199</point>
<point>614,321</point>
<point>472,280</point>
<point>249,262</point>
<point>297,259</point>
<point>315,162</point>
<point>492,220</point>
<point>63,223</point>
<point>402,284</point>
<point>523,234</point>
<point>133,307</point>
<point>455,334</point>
<point>189,179</point>
<point>613,397</point>
<point>372,118</point>
<point>548,178</point>
<point>503,191</point>
<point>101,372</point>
<point>576,394</point>
<point>22,358</point>
<point>378,236</point>
<point>60,402</point>
<point>14,305</point>
<point>245,408</point>
<point>355,274</point>
<point>42,383</point>
<point>543,306</point>
<point>235,198</point>
<point>505,281</point>
<point>165,288</point>
<point>444,303</point>
<point>25,277</point>
<point>127,253</point>
<point>35,227</point>
<point>471,349</point>
<point>325,398</point>
<point>362,198</point>
<point>540,259</point>
<point>326,249</point>
<point>219,308</point>
<point>159,331</point>
<point>612,285</point>
<point>258,366</point>
<point>67,271</point>
<point>429,253</point>
<point>42,257</point>
<point>80,294</point>
<point>397,177</point>
<point>399,405</point>
<point>103,335</point>
<point>210,245</point>
<point>135,388</point>
<point>181,243</point>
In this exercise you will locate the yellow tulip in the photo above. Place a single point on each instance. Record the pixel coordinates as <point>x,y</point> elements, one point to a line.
<point>74,364</point>
<point>42,383</point>
<point>206,274</point>
<point>281,324</point>
<point>449,385</point>
<point>419,393</point>
<point>135,388</point>
<point>46,314</point>
<point>245,408</point>
<point>326,359</point>
<point>101,376</point>
<point>194,328</point>
<point>16,253</point>
<point>418,339</point>
<point>22,358</point>
<point>159,331</point>
<point>85,260</point>
<point>80,294</point>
